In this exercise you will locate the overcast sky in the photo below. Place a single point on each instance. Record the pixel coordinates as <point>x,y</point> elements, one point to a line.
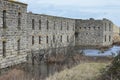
<point>82,9</point>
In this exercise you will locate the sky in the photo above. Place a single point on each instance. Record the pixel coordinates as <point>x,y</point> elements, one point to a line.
<point>80,9</point>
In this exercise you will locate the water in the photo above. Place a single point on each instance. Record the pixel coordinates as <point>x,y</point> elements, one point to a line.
<point>41,70</point>
<point>38,71</point>
<point>110,52</point>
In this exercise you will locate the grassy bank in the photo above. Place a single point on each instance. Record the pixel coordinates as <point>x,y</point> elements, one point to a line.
<point>113,71</point>
<point>84,71</point>
<point>76,67</point>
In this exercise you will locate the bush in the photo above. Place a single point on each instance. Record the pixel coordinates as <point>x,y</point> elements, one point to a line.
<point>113,72</point>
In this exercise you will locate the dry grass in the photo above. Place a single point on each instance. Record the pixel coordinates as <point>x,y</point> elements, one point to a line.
<point>88,69</point>
<point>12,75</point>
<point>84,71</point>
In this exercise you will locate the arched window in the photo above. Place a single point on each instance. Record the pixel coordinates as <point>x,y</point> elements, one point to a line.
<point>89,28</point>
<point>105,38</point>
<point>32,40</point>
<point>53,38</point>
<point>73,27</point>
<point>39,24</point>
<point>33,24</point>
<point>46,39</point>
<point>61,38</point>
<point>47,24</point>
<point>39,39</point>
<point>4,48</point>
<point>67,38</point>
<point>4,18</point>
<point>19,20</point>
<point>61,24</point>
<point>98,27</point>
<point>67,26</point>
<point>18,46</point>
<point>109,38</point>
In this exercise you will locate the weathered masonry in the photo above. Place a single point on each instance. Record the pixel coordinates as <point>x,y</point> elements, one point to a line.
<point>13,45</point>
<point>49,31</point>
<point>94,32</point>
<point>22,33</point>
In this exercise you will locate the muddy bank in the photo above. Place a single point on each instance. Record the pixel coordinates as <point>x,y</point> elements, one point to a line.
<point>116,43</point>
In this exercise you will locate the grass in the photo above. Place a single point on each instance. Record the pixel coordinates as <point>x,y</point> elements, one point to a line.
<point>113,71</point>
<point>84,71</point>
<point>89,68</point>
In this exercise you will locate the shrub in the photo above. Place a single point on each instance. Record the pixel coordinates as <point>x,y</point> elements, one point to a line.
<point>113,72</point>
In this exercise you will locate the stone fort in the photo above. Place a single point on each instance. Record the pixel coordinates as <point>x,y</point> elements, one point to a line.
<point>22,32</point>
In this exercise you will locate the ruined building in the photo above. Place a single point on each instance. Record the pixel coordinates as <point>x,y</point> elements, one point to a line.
<point>116,34</point>
<point>94,32</point>
<point>22,32</point>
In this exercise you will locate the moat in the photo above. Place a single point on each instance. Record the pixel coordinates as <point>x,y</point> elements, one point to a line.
<point>41,70</point>
<point>110,52</point>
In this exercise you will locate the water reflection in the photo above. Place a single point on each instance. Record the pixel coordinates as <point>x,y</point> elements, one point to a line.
<point>110,52</point>
<point>42,69</point>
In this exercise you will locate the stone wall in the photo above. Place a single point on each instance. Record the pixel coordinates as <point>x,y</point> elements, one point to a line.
<point>22,33</point>
<point>107,32</point>
<point>93,32</point>
<point>54,32</point>
<point>116,34</point>
<point>12,29</point>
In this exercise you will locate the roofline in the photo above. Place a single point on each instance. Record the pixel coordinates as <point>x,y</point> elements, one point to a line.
<point>50,15</point>
<point>18,2</point>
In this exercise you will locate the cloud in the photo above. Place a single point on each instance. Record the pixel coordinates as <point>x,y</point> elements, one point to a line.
<point>75,2</point>
<point>77,8</point>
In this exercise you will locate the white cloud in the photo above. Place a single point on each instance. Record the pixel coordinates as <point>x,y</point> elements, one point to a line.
<point>77,8</point>
<point>82,3</point>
